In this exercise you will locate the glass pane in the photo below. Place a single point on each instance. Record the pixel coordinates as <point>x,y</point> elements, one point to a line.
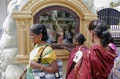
<point>60,26</point>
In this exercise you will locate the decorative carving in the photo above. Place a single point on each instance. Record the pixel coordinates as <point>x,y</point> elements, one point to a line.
<point>78,3</point>
<point>83,6</point>
<point>24,18</point>
<point>23,32</point>
<point>18,23</point>
<point>23,23</point>
<point>86,24</point>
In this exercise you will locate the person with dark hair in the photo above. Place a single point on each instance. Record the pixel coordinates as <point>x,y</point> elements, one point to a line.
<point>68,35</point>
<point>115,72</point>
<point>61,36</point>
<point>42,57</point>
<point>98,60</point>
<point>50,34</point>
<point>75,55</point>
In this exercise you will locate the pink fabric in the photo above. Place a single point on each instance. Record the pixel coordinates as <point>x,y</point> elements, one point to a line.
<point>69,72</point>
<point>95,64</point>
<point>112,46</point>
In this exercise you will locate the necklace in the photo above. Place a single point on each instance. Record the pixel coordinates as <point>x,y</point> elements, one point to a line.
<point>80,47</point>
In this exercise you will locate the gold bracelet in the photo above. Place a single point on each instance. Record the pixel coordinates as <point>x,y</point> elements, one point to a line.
<point>41,68</point>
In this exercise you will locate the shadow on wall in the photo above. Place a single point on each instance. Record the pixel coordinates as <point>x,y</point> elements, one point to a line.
<point>1,31</point>
<point>0,75</point>
<point>0,64</point>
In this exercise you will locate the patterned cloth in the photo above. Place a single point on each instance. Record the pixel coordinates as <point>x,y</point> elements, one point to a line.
<point>48,56</point>
<point>115,72</point>
<point>38,74</point>
<point>71,63</point>
<point>96,63</point>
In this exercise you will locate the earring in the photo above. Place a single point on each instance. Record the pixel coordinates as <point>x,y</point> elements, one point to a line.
<point>40,39</point>
<point>77,43</point>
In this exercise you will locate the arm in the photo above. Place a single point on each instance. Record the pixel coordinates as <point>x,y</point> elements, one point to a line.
<point>53,68</point>
<point>23,73</point>
<point>50,58</point>
<point>68,47</point>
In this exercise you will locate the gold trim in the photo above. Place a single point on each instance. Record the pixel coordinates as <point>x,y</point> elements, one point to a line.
<point>24,19</point>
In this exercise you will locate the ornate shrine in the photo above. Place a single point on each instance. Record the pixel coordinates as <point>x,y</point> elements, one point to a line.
<point>25,18</point>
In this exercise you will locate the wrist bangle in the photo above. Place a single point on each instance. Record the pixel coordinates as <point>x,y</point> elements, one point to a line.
<point>41,68</point>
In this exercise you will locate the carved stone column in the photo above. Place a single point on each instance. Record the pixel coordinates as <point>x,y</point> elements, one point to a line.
<point>23,23</point>
<point>23,36</point>
<point>87,19</point>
